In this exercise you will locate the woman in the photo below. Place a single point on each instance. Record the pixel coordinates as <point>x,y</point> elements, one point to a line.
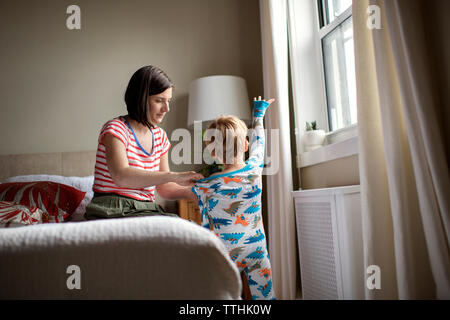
<point>132,154</point>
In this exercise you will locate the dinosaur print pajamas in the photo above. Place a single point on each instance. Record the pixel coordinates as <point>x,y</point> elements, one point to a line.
<point>231,204</point>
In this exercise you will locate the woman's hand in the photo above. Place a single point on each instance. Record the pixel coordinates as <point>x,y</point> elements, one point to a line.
<point>188,178</point>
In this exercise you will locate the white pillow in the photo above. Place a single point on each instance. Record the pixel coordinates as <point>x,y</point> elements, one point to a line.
<point>81,183</point>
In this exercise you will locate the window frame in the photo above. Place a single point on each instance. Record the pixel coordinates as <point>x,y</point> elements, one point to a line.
<point>324,31</point>
<point>341,142</point>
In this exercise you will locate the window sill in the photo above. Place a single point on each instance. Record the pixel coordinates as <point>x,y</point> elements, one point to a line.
<point>338,149</point>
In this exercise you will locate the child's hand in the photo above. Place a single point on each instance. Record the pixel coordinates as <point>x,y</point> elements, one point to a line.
<point>268,101</point>
<point>260,106</point>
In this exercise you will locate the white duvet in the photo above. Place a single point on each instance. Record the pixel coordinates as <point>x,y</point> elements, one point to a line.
<point>131,258</point>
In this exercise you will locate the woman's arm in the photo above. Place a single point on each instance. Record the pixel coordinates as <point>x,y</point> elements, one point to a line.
<point>128,177</point>
<point>171,190</point>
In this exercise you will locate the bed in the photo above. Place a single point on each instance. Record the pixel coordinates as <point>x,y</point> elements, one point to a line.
<point>132,258</point>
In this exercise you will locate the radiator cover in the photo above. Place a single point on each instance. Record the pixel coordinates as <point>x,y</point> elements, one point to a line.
<point>329,230</point>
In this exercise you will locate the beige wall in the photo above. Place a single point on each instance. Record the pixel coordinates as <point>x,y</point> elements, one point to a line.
<point>59,86</point>
<point>335,173</point>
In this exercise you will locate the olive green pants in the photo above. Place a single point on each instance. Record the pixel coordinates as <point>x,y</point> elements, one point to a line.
<point>110,205</point>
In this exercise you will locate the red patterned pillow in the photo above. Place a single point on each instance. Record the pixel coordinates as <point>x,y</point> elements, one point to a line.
<point>57,200</point>
<point>16,215</point>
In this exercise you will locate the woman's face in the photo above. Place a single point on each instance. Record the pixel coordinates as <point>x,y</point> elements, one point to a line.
<point>158,105</point>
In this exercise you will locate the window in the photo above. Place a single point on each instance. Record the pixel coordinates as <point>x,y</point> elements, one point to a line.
<point>332,9</point>
<point>336,35</point>
<point>323,81</point>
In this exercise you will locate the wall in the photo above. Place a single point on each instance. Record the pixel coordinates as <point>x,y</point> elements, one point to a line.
<point>58,86</point>
<point>335,173</point>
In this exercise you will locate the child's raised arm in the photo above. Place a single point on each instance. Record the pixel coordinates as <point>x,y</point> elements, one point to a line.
<point>257,138</point>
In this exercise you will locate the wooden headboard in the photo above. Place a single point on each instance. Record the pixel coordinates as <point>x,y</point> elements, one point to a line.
<point>68,164</point>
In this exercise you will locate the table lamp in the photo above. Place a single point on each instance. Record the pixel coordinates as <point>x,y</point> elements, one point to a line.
<point>210,97</point>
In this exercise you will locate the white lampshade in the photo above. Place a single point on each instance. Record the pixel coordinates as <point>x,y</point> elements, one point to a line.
<point>210,97</point>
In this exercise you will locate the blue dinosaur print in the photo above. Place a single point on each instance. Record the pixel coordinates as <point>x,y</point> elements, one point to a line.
<point>204,212</point>
<point>265,290</point>
<point>256,238</point>
<point>251,161</point>
<point>232,237</point>
<point>215,186</point>
<point>219,222</point>
<point>254,207</point>
<point>257,254</point>
<point>251,282</point>
<point>233,211</point>
<point>200,202</point>
<point>232,193</point>
<point>212,203</point>
<point>255,191</point>
<point>259,140</point>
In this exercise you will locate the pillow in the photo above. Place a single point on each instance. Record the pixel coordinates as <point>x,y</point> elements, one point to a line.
<point>81,183</point>
<point>16,215</point>
<point>58,200</point>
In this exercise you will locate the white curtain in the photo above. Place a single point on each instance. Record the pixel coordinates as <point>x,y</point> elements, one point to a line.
<point>282,249</point>
<point>403,161</point>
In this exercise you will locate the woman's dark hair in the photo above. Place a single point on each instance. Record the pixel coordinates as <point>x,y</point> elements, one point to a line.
<point>146,81</point>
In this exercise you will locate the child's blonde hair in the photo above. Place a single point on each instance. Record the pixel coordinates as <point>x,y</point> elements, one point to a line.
<point>230,127</point>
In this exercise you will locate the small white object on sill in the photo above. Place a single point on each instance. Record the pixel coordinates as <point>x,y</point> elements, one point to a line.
<point>313,139</point>
<point>337,150</point>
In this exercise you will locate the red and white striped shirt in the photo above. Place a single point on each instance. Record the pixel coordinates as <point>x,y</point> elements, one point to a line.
<point>137,158</point>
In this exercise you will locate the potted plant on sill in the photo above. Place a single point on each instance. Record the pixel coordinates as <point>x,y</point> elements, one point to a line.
<point>313,137</point>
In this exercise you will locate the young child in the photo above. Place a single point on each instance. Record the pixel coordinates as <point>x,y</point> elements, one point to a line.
<point>230,201</point>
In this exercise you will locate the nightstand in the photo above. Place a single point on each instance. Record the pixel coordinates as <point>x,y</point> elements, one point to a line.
<point>189,210</point>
